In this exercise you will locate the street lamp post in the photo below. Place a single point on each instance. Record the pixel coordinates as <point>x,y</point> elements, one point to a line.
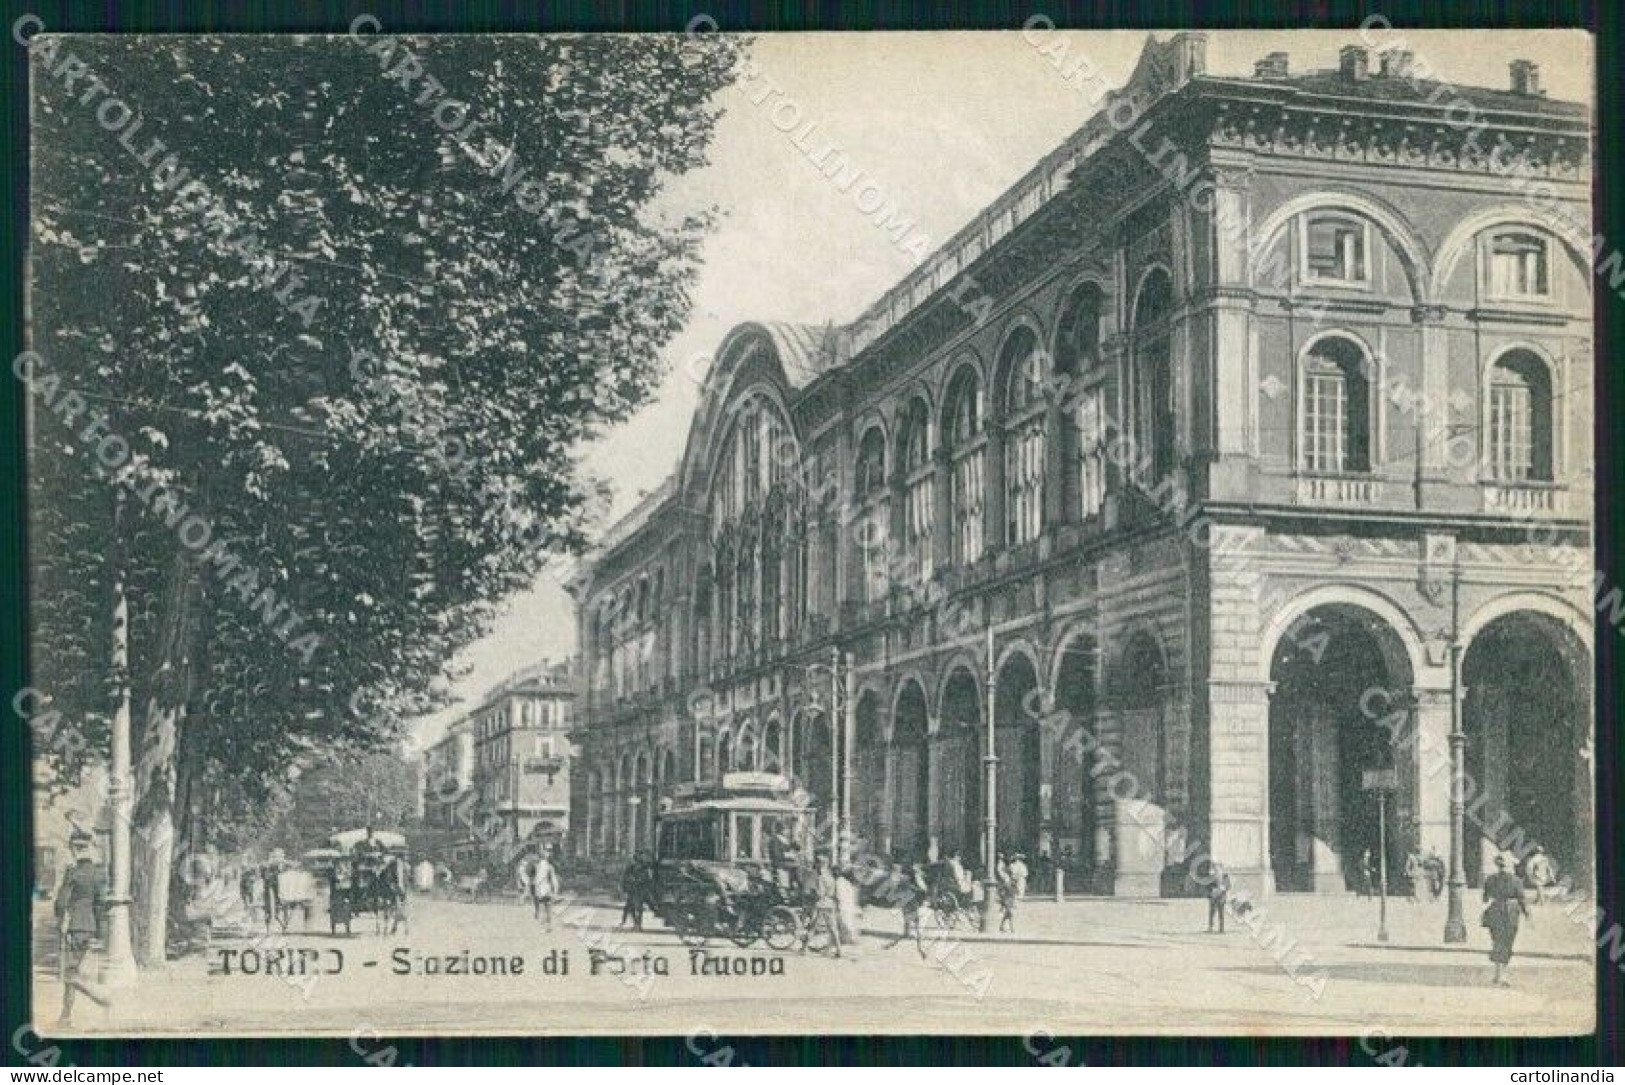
<point>990,804</point>
<point>121,969</point>
<point>849,729</point>
<point>1455,923</point>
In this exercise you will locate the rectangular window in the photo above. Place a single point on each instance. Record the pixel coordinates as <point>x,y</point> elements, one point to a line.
<point>1091,423</point>
<point>1518,267</point>
<point>918,519</point>
<point>1324,423</point>
<point>967,507</point>
<point>1024,482</point>
<point>1334,251</point>
<point>872,547</point>
<point>1512,444</point>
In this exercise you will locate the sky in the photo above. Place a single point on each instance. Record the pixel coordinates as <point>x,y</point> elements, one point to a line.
<point>942,123</point>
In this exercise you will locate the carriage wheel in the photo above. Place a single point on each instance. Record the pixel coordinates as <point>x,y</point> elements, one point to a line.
<point>820,935</point>
<point>781,928</point>
<point>692,930</point>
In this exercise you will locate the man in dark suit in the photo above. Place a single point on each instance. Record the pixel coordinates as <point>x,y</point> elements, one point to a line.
<point>81,908</point>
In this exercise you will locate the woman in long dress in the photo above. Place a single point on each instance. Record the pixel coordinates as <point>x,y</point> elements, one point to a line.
<point>1504,906</point>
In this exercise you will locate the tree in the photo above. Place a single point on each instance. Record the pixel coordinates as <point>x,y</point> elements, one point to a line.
<point>349,792</point>
<point>353,353</point>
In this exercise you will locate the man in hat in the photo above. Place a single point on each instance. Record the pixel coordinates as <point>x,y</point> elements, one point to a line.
<point>81,905</point>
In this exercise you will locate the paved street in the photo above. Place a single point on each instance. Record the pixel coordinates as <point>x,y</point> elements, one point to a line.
<point>1082,966</point>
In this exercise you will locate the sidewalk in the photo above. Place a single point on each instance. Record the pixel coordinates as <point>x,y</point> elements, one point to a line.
<point>1331,922</point>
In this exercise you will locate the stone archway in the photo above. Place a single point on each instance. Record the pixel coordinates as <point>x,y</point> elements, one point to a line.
<point>1018,730</point>
<point>869,776</point>
<point>1330,665</point>
<point>957,769</point>
<point>1082,844</point>
<point>910,772</point>
<point>1527,718</point>
<point>814,758</point>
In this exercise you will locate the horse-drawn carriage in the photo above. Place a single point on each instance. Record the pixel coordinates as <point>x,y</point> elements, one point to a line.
<point>731,863</point>
<point>366,873</point>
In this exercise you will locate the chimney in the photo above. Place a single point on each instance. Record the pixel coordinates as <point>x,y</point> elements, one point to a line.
<point>1397,64</point>
<point>1273,66</point>
<point>1354,62</point>
<point>1526,78</point>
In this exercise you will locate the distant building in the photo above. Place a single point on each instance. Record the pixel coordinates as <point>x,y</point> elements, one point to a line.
<point>448,776</point>
<point>501,774</point>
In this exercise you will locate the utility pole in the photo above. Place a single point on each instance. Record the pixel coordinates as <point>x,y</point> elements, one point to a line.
<point>990,802</point>
<point>121,968</point>
<point>849,730</point>
<point>1455,923</point>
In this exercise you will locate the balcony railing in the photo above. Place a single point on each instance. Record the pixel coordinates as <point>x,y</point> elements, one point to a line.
<point>1522,499</point>
<point>1348,490</point>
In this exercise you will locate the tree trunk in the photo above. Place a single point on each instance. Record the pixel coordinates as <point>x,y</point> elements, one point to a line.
<point>156,765</point>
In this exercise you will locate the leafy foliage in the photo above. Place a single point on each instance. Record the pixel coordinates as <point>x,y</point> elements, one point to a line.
<point>334,330</point>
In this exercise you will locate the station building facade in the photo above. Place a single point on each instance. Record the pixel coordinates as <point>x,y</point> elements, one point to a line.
<point>1252,427</point>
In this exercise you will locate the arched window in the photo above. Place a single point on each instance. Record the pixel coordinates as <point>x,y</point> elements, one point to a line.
<point>1077,347</point>
<point>772,611</point>
<point>703,602</point>
<point>725,754</point>
<point>745,757</point>
<point>1519,432</point>
<point>1022,366</point>
<point>1335,418</point>
<point>869,485</point>
<point>773,748</point>
<point>870,477</point>
<point>1077,353</point>
<point>914,460</point>
<point>1153,372</point>
<point>758,451</point>
<point>962,432</point>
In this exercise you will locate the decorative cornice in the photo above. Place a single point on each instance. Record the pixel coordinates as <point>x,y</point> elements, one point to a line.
<point>1280,128</point>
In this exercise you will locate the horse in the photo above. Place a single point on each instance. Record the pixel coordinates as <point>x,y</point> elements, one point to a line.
<point>381,889</point>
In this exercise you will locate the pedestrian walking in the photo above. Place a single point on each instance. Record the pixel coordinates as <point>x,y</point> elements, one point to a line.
<point>1414,874</point>
<point>1367,875</point>
<point>908,883</point>
<point>961,876</point>
<point>270,892</point>
<point>1218,899</point>
<point>634,888</point>
<point>1503,908</point>
<point>824,908</point>
<point>1435,871</point>
<point>247,888</point>
<point>544,886</point>
<point>81,909</point>
<point>1006,888</point>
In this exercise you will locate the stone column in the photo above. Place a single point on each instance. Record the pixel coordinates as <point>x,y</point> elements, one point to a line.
<point>933,797</point>
<point>1239,730</point>
<point>1048,764</point>
<point>1430,775</point>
